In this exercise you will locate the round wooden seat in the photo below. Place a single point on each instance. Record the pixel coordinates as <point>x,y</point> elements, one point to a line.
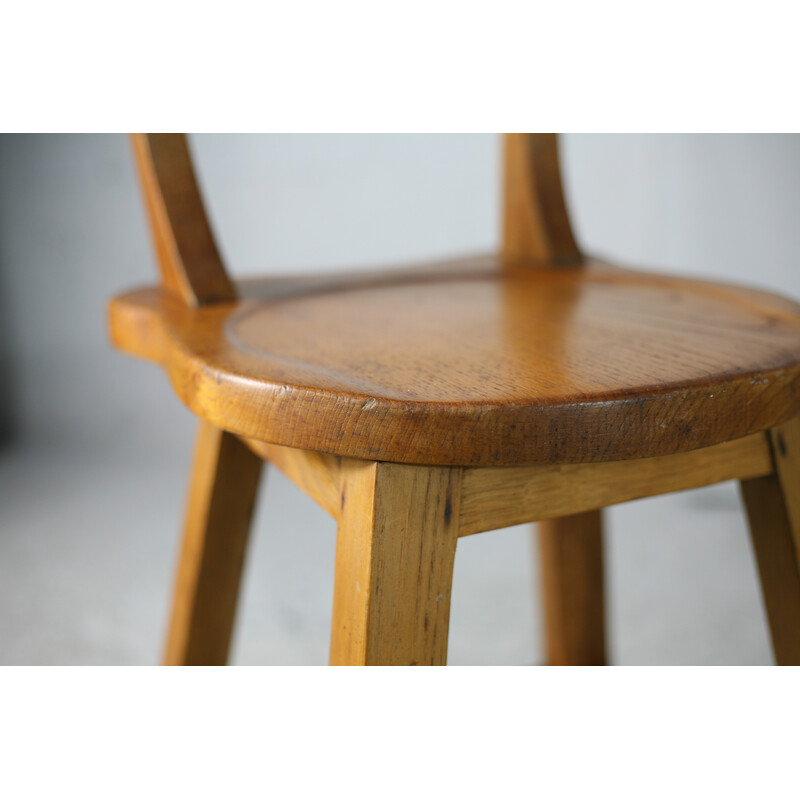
<point>479,363</point>
<point>420,406</point>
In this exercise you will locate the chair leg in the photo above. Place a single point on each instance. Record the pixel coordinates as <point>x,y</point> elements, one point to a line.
<point>773,510</point>
<point>571,563</point>
<point>395,550</point>
<point>222,496</point>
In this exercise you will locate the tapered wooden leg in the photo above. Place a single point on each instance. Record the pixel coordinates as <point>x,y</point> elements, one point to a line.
<point>222,496</point>
<point>773,510</point>
<point>571,563</point>
<point>394,564</point>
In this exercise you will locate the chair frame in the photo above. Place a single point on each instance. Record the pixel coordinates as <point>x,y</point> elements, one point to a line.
<point>398,524</point>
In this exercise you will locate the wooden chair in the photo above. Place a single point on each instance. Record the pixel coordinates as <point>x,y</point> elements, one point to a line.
<point>421,405</point>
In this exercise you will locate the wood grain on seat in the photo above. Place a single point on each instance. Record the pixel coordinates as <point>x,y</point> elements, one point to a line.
<point>424,404</point>
<point>479,362</point>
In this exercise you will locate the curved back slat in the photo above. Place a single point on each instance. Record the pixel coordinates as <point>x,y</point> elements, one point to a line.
<point>187,254</point>
<point>536,224</point>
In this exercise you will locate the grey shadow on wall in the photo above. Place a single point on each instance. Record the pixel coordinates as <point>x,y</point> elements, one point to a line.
<point>9,411</point>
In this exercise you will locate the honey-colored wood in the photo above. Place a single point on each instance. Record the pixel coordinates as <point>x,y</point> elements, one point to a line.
<point>497,498</point>
<point>536,224</point>
<point>573,594</point>
<point>222,495</point>
<point>395,550</point>
<point>417,405</point>
<point>785,441</point>
<point>187,254</point>
<point>316,474</point>
<point>773,509</point>
<point>479,365</point>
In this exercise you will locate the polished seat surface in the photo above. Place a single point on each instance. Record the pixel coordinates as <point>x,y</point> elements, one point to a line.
<point>479,362</point>
<point>423,405</point>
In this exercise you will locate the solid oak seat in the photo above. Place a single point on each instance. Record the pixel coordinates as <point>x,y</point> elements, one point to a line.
<point>474,362</point>
<point>419,406</point>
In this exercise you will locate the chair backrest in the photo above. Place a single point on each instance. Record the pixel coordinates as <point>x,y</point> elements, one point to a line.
<point>536,227</point>
<point>187,254</point>
<point>536,223</point>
